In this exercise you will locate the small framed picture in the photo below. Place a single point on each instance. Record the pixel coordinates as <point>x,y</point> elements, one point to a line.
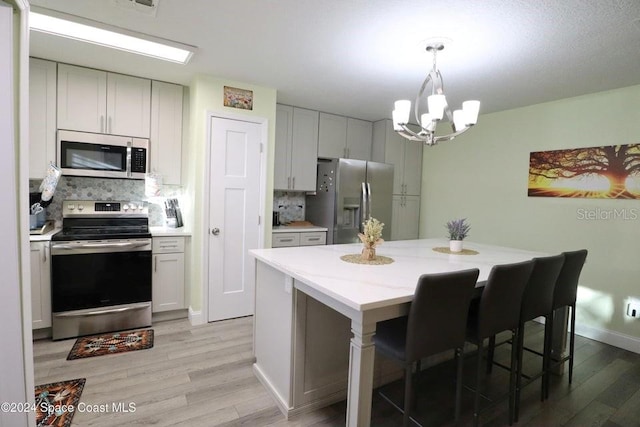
<point>238,98</point>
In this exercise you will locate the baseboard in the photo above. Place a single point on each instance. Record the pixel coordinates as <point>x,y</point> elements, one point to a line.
<point>616,339</point>
<point>195,317</point>
<point>169,315</point>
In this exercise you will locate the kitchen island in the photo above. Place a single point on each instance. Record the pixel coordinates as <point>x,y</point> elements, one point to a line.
<point>316,315</point>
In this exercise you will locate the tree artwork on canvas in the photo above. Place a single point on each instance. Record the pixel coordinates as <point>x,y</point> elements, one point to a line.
<point>608,172</point>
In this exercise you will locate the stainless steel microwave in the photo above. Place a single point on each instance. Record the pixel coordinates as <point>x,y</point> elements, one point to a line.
<point>103,156</point>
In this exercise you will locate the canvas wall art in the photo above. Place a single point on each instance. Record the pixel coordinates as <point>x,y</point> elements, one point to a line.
<point>609,172</point>
<point>238,98</point>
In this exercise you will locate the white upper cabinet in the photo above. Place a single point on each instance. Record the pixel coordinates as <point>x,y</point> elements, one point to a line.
<point>359,134</point>
<point>128,105</point>
<point>296,149</point>
<point>96,101</point>
<point>42,116</point>
<point>166,131</point>
<point>404,155</point>
<point>332,136</point>
<point>344,137</point>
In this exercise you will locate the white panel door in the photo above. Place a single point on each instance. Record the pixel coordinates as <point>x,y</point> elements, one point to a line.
<point>234,209</point>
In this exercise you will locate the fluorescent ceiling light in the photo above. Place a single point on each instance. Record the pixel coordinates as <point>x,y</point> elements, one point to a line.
<point>87,33</point>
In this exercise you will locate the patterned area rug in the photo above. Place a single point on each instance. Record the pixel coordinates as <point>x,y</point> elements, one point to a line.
<point>56,402</point>
<point>121,342</point>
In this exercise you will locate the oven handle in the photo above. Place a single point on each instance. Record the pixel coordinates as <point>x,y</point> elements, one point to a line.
<point>100,245</point>
<point>107,311</point>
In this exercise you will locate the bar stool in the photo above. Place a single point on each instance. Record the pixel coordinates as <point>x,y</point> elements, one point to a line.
<point>564,295</point>
<point>537,301</point>
<point>498,310</point>
<point>436,323</point>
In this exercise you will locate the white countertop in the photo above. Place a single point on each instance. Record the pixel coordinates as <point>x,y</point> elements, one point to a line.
<point>44,237</point>
<point>169,232</point>
<point>297,229</point>
<point>364,287</point>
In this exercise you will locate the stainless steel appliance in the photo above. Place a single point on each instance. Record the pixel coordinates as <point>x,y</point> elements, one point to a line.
<point>101,268</point>
<point>104,156</point>
<point>347,193</point>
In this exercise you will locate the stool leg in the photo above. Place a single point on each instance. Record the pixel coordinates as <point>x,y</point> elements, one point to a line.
<point>572,342</point>
<point>519,371</point>
<point>408,393</point>
<point>476,399</point>
<point>460,363</point>
<point>549,321</point>
<point>512,374</point>
<point>490,352</point>
<point>546,357</point>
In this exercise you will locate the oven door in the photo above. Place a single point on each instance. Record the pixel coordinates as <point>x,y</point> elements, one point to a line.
<point>94,274</point>
<point>100,286</point>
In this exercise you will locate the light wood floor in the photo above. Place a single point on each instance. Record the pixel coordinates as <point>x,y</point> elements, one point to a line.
<point>202,376</point>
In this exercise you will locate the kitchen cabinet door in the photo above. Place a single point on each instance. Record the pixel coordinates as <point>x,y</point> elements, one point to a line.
<point>282,154</point>
<point>166,132</point>
<point>167,278</point>
<point>128,105</point>
<point>359,134</point>
<point>405,222</point>
<point>42,116</point>
<point>100,102</point>
<point>404,155</point>
<point>82,99</point>
<point>332,136</point>
<point>168,282</point>
<point>304,150</point>
<point>40,285</point>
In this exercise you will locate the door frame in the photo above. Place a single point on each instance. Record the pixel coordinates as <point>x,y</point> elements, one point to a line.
<point>264,135</point>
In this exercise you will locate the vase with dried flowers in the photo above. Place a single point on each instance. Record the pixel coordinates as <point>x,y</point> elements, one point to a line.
<point>458,229</point>
<point>371,237</point>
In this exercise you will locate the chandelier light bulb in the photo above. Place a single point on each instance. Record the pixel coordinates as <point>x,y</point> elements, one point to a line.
<point>459,120</point>
<point>403,108</point>
<point>396,121</point>
<point>436,105</point>
<point>426,122</point>
<point>471,110</point>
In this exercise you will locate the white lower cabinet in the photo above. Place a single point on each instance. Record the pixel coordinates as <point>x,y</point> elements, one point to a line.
<point>168,274</point>
<point>309,238</point>
<point>40,285</point>
<point>405,217</point>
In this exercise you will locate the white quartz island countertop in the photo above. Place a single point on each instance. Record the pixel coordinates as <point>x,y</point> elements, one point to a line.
<point>365,287</point>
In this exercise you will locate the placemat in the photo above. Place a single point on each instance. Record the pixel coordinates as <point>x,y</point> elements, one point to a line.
<point>444,250</point>
<point>357,259</point>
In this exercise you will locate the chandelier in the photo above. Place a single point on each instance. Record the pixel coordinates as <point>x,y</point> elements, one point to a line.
<point>425,130</point>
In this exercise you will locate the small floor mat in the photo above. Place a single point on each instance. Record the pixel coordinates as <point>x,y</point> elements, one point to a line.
<point>113,343</point>
<point>56,403</point>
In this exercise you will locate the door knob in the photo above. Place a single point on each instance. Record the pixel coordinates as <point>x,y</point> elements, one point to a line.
<point>215,231</point>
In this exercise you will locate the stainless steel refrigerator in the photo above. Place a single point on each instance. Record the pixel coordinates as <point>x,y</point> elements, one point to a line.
<point>347,193</point>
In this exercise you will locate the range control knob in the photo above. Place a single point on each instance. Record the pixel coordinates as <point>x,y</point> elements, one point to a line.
<point>80,207</point>
<point>125,207</point>
<point>71,207</point>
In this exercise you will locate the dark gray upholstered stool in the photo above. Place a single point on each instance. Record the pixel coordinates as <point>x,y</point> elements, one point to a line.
<point>564,295</point>
<point>436,323</point>
<point>498,310</point>
<point>537,300</point>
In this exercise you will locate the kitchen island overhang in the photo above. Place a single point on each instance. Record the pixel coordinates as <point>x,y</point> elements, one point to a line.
<point>316,315</point>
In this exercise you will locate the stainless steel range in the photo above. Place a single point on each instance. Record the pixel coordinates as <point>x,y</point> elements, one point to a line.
<point>101,268</point>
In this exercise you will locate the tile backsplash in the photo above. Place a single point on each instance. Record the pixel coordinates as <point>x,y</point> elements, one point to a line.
<point>83,188</point>
<point>290,204</point>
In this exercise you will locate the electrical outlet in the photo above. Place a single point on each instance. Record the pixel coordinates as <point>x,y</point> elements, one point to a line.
<point>633,308</point>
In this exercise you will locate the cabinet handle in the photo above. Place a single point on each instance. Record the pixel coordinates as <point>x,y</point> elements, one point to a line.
<point>288,183</point>
<point>286,240</point>
<point>110,127</point>
<point>155,264</point>
<point>44,255</point>
<point>293,185</point>
<point>313,239</point>
<point>344,152</point>
<point>102,124</point>
<point>349,153</point>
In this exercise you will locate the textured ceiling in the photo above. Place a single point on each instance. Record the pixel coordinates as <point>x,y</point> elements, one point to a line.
<point>355,57</point>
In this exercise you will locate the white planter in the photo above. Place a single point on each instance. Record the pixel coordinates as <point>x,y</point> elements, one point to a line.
<point>455,245</point>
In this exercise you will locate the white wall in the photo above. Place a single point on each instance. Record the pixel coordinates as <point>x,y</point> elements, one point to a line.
<point>483,176</point>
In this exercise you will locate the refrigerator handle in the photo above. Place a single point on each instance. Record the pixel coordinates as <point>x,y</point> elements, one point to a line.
<point>368,200</point>
<point>363,207</point>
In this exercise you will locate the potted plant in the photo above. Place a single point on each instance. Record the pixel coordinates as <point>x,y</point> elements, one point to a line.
<point>371,237</point>
<point>458,229</point>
